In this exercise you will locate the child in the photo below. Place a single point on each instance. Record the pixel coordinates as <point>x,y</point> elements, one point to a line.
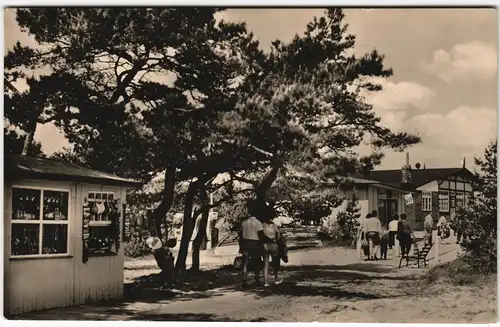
<point>365,246</point>
<point>384,242</point>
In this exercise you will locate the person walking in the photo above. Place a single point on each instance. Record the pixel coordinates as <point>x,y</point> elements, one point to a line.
<point>372,230</point>
<point>384,242</point>
<point>271,249</point>
<point>405,232</point>
<point>360,237</point>
<point>428,227</point>
<point>393,230</point>
<point>443,228</point>
<point>364,245</point>
<point>251,241</point>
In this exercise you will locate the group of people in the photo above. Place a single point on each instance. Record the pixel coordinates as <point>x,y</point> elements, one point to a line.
<point>443,227</point>
<point>377,238</point>
<point>261,243</point>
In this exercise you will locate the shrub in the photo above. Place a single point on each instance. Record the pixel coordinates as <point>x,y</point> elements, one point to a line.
<point>348,222</point>
<point>478,222</point>
<point>343,230</point>
<point>330,231</point>
<point>136,245</point>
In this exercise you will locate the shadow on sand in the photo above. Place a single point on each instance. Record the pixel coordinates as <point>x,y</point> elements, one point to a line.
<point>349,282</point>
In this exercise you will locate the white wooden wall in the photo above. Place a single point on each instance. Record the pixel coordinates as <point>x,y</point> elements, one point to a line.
<point>32,284</point>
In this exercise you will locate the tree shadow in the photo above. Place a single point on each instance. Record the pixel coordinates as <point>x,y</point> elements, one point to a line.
<point>346,282</point>
<point>144,267</point>
<point>123,314</point>
<point>335,281</point>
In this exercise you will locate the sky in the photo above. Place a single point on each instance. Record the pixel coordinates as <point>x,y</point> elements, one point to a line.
<point>444,86</point>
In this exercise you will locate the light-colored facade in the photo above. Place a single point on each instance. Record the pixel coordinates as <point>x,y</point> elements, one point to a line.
<point>435,191</point>
<point>387,200</point>
<point>444,196</point>
<point>54,253</point>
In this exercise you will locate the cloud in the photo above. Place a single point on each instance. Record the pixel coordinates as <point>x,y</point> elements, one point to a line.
<point>447,138</point>
<point>393,119</point>
<point>400,95</point>
<point>472,60</point>
<point>395,99</point>
<point>465,126</point>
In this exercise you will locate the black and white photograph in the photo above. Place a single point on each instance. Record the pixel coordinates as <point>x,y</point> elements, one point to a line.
<point>250,164</point>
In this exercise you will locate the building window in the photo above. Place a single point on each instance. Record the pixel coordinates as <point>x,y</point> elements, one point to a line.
<point>103,210</point>
<point>39,222</point>
<point>426,201</point>
<point>444,201</point>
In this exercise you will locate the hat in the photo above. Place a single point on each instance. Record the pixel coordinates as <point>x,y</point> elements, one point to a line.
<point>154,243</point>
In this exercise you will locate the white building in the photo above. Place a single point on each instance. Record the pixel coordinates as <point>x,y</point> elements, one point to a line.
<point>63,228</point>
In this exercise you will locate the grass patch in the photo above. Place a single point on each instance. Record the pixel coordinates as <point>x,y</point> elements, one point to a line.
<point>458,272</point>
<point>454,276</point>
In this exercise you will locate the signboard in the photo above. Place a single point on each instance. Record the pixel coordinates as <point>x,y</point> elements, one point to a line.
<point>85,229</point>
<point>408,198</point>
<point>125,222</point>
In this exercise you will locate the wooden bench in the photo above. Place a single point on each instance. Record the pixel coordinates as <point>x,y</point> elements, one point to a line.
<point>295,237</point>
<point>418,256</point>
<point>228,239</point>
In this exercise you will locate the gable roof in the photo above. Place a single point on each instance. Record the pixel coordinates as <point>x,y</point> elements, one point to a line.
<point>20,166</point>
<point>373,182</point>
<point>419,176</point>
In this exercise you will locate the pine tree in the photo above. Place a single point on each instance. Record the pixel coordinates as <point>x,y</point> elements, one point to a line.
<point>348,222</point>
<point>232,108</point>
<point>478,221</point>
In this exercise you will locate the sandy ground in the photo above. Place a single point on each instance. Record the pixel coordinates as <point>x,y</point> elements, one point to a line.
<point>321,284</point>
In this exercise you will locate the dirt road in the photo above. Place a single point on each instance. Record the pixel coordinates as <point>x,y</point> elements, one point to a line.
<point>325,285</point>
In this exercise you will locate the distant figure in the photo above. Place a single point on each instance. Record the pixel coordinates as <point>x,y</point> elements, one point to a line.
<point>251,237</point>
<point>360,236</point>
<point>372,230</point>
<point>365,246</point>
<point>457,229</point>
<point>405,232</point>
<point>443,228</point>
<point>393,230</point>
<point>428,227</point>
<point>384,242</point>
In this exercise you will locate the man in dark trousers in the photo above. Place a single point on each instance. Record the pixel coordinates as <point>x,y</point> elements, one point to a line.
<point>405,231</point>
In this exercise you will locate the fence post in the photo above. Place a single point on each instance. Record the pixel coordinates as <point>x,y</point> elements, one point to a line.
<point>358,246</point>
<point>396,247</point>
<point>437,243</point>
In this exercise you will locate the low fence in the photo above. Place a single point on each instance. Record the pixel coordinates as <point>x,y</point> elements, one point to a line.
<point>304,236</point>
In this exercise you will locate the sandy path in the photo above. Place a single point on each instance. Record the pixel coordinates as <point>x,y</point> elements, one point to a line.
<point>325,285</point>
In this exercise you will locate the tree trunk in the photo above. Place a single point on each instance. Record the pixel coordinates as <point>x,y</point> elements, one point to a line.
<point>267,182</point>
<point>160,213</point>
<point>28,141</point>
<point>201,235</point>
<point>187,231</point>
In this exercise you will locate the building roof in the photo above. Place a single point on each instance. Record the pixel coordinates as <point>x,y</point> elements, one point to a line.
<point>364,181</point>
<point>419,176</point>
<point>20,166</point>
